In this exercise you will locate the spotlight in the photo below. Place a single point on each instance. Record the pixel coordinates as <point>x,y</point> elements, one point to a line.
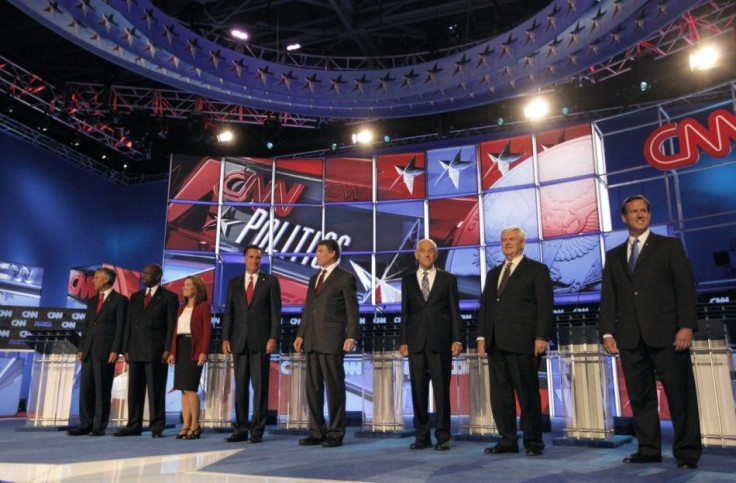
<point>269,145</point>
<point>565,110</point>
<point>704,58</point>
<point>500,121</point>
<point>292,47</point>
<point>364,136</point>
<point>225,136</point>
<point>239,34</point>
<point>386,138</point>
<point>536,109</point>
<point>644,86</point>
<point>333,147</point>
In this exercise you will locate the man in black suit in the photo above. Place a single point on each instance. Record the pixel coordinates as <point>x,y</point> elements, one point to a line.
<point>101,343</point>
<point>514,321</point>
<point>250,331</point>
<point>328,330</point>
<point>648,314</point>
<point>148,333</point>
<point>430,337</point>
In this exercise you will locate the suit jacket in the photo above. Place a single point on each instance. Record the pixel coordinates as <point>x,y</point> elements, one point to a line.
<point>655,301</point>
<point>435,323</point>
<point>330,316</point>
<point>201,327</point>
<point>255,324</point>
<point>148,330</point>
<point>522,313</point>
<point>104,332</point>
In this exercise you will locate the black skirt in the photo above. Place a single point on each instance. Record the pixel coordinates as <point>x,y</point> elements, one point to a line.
<point>186,372</point>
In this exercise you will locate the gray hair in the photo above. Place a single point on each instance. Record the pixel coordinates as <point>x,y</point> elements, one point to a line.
<point>522,233</point>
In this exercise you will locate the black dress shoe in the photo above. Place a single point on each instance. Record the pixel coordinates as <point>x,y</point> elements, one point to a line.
<point>78,432</point>
<point>643,458</point>
<point>157,433</point>
<point>237,437</point>
<point>97,432</point>
<point>311,441</point>
<point>534,452</point>
<point>331,443</point>
<point>420,445</point>
<point>687,465</point>
<point>255,439</point>
<point>126,432</point>
<point>500,449</point>
<point>442,446</point>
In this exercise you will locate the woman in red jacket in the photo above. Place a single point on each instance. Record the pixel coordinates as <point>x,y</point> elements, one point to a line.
<point>189,349</point>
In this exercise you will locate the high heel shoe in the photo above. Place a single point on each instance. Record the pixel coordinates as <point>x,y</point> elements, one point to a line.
<point>182,434</point>
<point>194,433</point>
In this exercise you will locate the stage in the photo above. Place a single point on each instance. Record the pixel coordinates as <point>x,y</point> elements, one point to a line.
<point>46,456</point>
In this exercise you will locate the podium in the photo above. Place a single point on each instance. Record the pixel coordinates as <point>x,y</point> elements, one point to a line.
<point>293,412</point>
<point>218,377</point>
<point>119,395</point>
<point>585,378</point>
<point>52,377</point>
<point>383,386</point>
<point>478,422</point>
<point>714,370</point>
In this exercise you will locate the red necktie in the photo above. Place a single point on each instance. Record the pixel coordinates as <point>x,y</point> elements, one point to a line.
<point>249,290</point>
<point>99,302</point>
<point>147,298</point>
<point>321,280</point>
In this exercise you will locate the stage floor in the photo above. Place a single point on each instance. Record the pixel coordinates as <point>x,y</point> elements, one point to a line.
<point>47,456</point>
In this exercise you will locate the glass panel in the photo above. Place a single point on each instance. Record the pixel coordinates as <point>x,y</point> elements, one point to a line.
<point>452,171</point>
<point>569,208</point>
<point>454,221</point>
<point>402,176</point>
<point>506,208</point>
<point>565,153</point>
<point>349,179</point>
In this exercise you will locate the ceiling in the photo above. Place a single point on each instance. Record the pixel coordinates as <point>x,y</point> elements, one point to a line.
<point>356,36</point>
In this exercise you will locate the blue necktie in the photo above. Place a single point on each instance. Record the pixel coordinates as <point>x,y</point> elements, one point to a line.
<point>634,255</point>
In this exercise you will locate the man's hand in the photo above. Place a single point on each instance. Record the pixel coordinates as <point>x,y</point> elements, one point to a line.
<point>482,348</point>
<point>540,347</point>
<point>171,360</point>
<point>79,356</point>
<point>271,346</point>
<point>348,345</point>
<point>683,339</point>
<point>226,347</point>
<point>112,358</point>
<point>404,350</point>
<point>609,343</point>
<point>298,342</point>
<point>165,357</point>
<point>457,348</point>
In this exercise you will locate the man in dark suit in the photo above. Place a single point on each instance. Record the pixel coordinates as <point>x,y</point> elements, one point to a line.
<point>514,321</point>
<point>430,337</point>
<point>648,314</point>
<point>101,343</point>
<point>250,331</point>
<point>148,333</point>
<point>328,330</point>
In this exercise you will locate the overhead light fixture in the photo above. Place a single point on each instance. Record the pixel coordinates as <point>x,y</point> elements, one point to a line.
<point>269,145</point>
<point>704,58</point>
<point>644,86</point>
<point>239,34</point>
<point>500,121</point>
<point>292,47</point>
<point>225,136</point>
<point>536,109</point>
<point>364,136</point>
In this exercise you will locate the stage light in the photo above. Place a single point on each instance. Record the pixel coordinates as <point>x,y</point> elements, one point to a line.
<point>292,47</point>
<point>565,110</point>
<point>364,136</point>
<point>386,138</point>
<point>125,166</point>
<point>225,136</point>
<point>536,109</point>
<point>500,121</point>
<point>644,86</point>
<point>269,145</point>
<point>239,34</point>
<point>333,147</point>
<point>704,58</point>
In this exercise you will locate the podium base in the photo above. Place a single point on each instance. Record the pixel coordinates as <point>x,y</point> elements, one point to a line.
<point>720,450</point>
<point>364,433</point>
<point>614,442</point>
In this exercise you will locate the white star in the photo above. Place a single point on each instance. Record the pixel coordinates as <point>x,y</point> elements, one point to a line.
<point>408,173</point>
<point>503,159</point>
<point>452,168</point>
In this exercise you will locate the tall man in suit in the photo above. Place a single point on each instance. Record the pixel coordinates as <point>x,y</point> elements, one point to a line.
<point>250,331</point>
<point>648,314</point>
<point>514,321</point>
<point>430,337</point>
<point>101,343</point>
<point>328,330</point>
<point>148,332</point>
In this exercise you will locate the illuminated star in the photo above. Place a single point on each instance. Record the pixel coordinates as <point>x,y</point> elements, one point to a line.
<point>530,32</point>
<point>336,83</point>
<point>553,46</point>
<point>192,47</point>
<point>483,56</point>
<point>552,18</point>
<point>383,81</point>
<point>408,78</point>
<point>263,74</point>
<point>407,174</point>
<point>460,65</point>
<point>53,8</point>
<point>108,22</point>
<point>595,22</point>
<point>575,34</point>
<point>84,5</point>
<point>174,60</point>
<point>150,47</point>
<point>452,169</point>
<point>432,73</point>
<point>361,83</point>
<point>169,33</point>
<point>215,58</point>
<point>311,82</point>
<point>287,79</point>
<point>503,159</point>
<point>148,17</point>
<point>506,46</point>
<point>238,66</point>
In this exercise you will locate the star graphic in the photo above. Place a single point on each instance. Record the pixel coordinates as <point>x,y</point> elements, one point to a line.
<point>639,21</point>
<point>595,22</point>
<point>263,74</point>
<point>460,65</point>
<point>407,174</point>
<point>408,78</point>
<point>361,83</point>
<point>506,46</point>
<point>529,59</point>
<point>575,34</point>
<point>483,56</point>
<point>52,8</point>
<point>530,32</point>
<point>618,7</point>
<point>76,25</point>
<point>148,17</point>
<point>287,79</point>
<point>432,73</point>
<point>383,81</point>
<point>453,168</point>
<point>311,82</point>
<point>215,57</point>
<point>238,66</point>
<point>595,45</point>
<point>560,140</point>
<point>503,160</point>
<point>552,18</point>
<point>108,22</point>
<point>150,48</point>
<point>571,7</point>
<point>336,83</point>
<point>616,34</point>
<point>192,46</point>
<point>174,60</point>
<point>84,6</point>
<point>553,46</point>
<point>169,33</point>
<point>661,8</point>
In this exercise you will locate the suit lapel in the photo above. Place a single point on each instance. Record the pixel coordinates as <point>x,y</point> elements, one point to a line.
<point>646,249</point>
